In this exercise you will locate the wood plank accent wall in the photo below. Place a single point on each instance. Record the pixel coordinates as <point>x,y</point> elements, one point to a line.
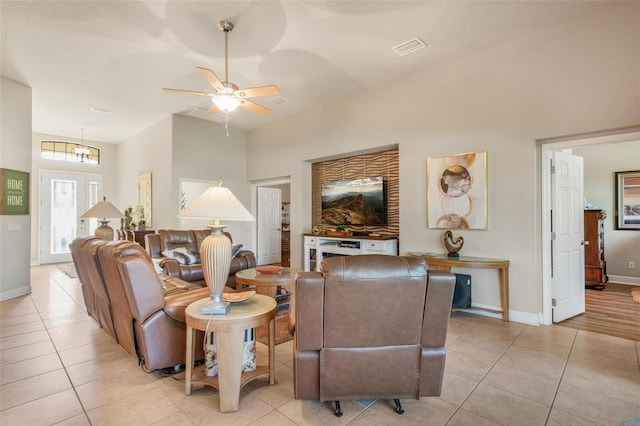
<point>384,163</point>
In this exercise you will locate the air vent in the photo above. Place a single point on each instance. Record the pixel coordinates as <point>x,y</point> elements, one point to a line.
<point>279,100</point>
<point>410,46</point>
<point>99,110</point>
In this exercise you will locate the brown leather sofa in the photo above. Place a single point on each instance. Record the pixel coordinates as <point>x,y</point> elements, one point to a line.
<point>84,254</point>
<point>149,322</point>
<point>170,239</point>
<point>371,327</point>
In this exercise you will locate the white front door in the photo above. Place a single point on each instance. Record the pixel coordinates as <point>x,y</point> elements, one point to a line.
<point>567,223</point>
<point>269,225</point>
<point>64,197</point>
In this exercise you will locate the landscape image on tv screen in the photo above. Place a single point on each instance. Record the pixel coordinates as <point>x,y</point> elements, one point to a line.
<point>354,202</point>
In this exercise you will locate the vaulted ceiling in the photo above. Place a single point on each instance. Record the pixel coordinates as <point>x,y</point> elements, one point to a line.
<point>116,56</point>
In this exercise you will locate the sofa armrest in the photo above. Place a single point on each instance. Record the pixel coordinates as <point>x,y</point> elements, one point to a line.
<point>170,267</point>
<point>309,311</point>
<point>440,286</point>
<point>175,304</point>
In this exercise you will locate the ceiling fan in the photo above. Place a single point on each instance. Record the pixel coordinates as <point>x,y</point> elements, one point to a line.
<point>228,96</point>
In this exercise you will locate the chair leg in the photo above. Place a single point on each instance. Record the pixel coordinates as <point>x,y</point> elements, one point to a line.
<point>338,409</point>
<point>399,409</point>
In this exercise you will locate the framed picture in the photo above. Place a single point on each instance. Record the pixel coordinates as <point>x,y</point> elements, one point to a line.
<point>628,200</point>
<point>144,196</point>
<point>14,191</point>
<point>457,191</point>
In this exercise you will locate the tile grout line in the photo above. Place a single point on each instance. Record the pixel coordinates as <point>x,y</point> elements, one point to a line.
<point>564,369</point>
<point>64,367</point>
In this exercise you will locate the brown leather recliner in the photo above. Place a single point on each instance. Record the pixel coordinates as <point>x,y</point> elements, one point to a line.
<point>170,239</point>
<point>371,327</point>
<point>86,249</point>
<point>150,325</point>
<point>87,289</point>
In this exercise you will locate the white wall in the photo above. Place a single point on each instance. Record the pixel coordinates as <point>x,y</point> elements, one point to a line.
<point>600,164</point>
<point>148,151</point>
<point>579,77</point>
<point>107,168</point>
<point>15,153</point>
<point>203,152</point>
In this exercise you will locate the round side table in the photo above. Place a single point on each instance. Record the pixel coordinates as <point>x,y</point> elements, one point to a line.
<point>266,284</point>
<point>229,331</point>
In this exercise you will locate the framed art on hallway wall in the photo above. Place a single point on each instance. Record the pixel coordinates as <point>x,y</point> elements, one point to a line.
<point>144,196</point>
<point>457,191</point>
<point>628,200</point>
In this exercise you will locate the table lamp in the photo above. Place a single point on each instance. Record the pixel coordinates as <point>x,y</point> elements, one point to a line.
<point>217,203</point>
<point>103,209</point>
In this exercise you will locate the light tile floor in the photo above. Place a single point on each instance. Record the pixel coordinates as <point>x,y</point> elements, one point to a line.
<point>58,367</point>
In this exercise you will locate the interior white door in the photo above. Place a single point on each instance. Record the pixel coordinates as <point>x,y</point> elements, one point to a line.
<point>567,223</point>
<point>269,225</point>
<point>64,197</point>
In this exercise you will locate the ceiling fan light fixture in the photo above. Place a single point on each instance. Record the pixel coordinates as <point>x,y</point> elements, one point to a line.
<point>226,103</point>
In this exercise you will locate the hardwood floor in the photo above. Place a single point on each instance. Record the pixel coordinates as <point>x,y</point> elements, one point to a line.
<point>611,311</point>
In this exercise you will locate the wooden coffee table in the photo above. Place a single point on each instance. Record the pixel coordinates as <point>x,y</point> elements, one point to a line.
<point>266,284</point>
<point>229,330</point>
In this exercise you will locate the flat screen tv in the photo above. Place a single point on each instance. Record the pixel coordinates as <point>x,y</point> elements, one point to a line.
<point>354,202</point>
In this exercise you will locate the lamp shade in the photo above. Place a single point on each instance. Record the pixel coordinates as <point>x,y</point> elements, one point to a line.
<point>102,209</point>
<point>217,203</point>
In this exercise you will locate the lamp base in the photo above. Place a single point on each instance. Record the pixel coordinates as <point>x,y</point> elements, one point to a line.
<point>215,307</point>
<point>104,231</point>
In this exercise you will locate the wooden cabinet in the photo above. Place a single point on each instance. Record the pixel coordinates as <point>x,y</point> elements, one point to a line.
<point>595,267</point>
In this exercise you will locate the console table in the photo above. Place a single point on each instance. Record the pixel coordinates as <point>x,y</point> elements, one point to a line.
<point>319,247</point>
<point>444,262</point>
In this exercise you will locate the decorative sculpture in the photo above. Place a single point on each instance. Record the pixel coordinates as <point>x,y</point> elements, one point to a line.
<point>452,246</point>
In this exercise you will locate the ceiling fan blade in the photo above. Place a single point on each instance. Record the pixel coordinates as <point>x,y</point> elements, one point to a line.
<point>211,78</point>
<point>252,106</point>
<point>253,92</point>
<point>213,109</point>
<point>190,92</point>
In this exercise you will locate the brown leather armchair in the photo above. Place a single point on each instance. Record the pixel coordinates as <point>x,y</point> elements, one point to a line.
<point>170,239</point>
<point>149,323</point>
<point>371,327</point>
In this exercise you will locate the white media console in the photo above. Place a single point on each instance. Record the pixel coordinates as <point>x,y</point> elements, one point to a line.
<point>318,248</point>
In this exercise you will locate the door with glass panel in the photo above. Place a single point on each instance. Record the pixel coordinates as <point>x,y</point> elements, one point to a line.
<point>64,197</point>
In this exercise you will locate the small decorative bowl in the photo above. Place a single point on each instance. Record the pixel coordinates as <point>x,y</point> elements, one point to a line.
<point>269,269</point>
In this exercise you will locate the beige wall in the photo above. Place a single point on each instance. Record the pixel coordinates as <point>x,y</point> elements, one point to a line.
<point>600,164</point>
<point>202,151</point>
<point>148,151</point>
<point>15,153</point>
<point>500,100</point>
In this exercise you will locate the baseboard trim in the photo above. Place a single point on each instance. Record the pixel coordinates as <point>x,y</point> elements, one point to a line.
<point>16,292</point>
<point>514,316</point>
<point>621,279</point>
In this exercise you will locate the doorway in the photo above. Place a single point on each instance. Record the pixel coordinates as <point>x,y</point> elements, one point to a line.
<point>547,147</point>
<point>64,197</point>
<point>272,228</point>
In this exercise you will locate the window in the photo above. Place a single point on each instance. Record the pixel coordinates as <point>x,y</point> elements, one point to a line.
<point>69,151</point>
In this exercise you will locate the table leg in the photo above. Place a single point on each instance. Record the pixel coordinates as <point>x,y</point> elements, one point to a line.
<point>504,292</point>
<point>272,351</point>
<point>189,360</point>
<point>229,345</point>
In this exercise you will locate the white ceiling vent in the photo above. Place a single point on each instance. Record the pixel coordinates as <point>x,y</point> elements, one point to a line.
<point>410,46</point>
<point>279,100</point>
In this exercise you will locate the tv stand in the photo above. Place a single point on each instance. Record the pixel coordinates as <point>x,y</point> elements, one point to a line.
<point>319,247</point>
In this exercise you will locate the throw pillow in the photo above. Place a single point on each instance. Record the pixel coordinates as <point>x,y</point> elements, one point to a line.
<point>190,257</point>
<point>173,254</point>
<point>235,249</point>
